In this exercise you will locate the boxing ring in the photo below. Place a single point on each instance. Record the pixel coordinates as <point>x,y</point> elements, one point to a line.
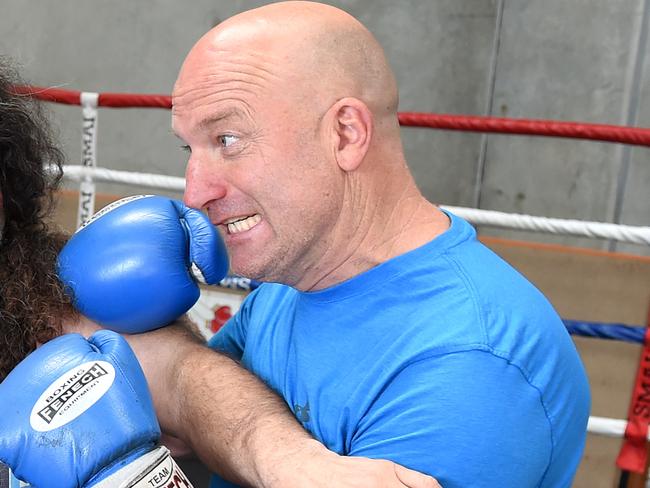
<point>632,459</point>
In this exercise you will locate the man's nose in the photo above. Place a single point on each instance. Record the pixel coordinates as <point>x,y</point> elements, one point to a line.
<point>203,183</point>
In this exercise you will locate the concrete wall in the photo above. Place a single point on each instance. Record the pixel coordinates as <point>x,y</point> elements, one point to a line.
<point>580,60</point>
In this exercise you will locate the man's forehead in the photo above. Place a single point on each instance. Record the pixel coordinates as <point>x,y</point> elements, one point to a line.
<point>232,82</point>
<point>246,39</point>
<point>216,116</point>
<point>223,65</point>
<point>224,115</point>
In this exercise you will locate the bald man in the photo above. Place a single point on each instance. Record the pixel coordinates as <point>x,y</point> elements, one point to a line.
<point>240,428</point>
<point>385,325</point>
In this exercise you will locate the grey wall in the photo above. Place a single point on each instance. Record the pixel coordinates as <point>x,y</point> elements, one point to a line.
<point>582,60</point>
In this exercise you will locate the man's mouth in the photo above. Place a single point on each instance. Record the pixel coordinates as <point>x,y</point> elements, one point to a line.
<point>242,224</point>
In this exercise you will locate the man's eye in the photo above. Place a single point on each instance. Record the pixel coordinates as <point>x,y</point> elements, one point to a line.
<point>227,140</point>
<point>186,148</point>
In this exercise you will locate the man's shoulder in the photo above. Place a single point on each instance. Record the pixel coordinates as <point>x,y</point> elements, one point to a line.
<point>498,291</point>
<point>268,300</point>
<point>270,292</point>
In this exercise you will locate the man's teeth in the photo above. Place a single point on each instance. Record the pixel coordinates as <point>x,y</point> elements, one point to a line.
<point>243,224</point>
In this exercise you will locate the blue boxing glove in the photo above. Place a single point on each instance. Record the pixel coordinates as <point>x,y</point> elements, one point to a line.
<point>81,416</point>
<point>134,266</point>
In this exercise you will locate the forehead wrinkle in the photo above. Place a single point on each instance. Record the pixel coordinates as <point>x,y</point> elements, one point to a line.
<point>243,79</point>
<point>219,74</point>
<point>218,116</point>
<point>219,82</point>
<point>266,62</point>
<point>225,78</point>
<point>245,66</point>
<point>210,93</point>
<point>241,110</point>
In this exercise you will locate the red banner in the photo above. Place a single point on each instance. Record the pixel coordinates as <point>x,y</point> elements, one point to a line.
<point>633,456</point>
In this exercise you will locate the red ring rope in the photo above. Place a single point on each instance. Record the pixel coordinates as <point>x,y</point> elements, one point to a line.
<point>116,100</point>
<point>471,123</point>
<point>550,128</point>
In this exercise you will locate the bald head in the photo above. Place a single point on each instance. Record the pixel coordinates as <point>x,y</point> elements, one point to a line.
<point>289,112</point>
<point>318,51</point>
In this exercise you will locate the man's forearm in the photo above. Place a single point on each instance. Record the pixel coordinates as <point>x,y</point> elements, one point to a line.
<point>236,425</point>
<point>239,427</point>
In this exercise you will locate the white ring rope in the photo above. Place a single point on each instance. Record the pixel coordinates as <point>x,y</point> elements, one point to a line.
<point>151,180</point>
<point>608,427</point>
<point>597,230</point>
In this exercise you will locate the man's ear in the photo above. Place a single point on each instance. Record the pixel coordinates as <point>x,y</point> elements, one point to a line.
<point>352,130</point>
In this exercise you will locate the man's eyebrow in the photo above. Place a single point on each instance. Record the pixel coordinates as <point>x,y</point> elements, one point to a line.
<point>214,118</point>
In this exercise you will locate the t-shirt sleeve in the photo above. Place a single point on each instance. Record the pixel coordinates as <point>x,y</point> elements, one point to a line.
<point>468,418</point>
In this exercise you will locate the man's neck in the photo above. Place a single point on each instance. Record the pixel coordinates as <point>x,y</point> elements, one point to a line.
<point>382,233</point>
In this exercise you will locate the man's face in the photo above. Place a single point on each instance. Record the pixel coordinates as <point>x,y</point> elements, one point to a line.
<point>257,162</point>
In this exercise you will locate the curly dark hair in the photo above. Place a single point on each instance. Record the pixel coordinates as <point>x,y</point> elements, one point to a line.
<point>33,304</point>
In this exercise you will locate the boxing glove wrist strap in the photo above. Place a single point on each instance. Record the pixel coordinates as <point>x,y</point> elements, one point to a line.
<point>155,469</point>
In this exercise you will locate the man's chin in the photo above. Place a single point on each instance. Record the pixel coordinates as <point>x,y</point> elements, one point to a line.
<point>251,270</point>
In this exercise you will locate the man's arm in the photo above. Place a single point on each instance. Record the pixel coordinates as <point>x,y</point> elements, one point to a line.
<point>238,427</point>
<point>471,418</point>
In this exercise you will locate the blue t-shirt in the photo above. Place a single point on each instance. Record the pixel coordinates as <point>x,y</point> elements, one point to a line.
<point>444,359</point>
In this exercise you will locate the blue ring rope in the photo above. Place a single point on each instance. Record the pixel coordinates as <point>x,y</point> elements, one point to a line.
<point>620,332</point>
